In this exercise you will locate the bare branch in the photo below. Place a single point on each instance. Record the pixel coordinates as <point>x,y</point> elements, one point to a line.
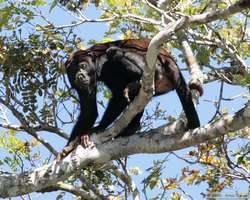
<point>228,74</point>
<point>78,191</point>
<point>196,75</point>
<point>82,20</point>
<point>127,180</point>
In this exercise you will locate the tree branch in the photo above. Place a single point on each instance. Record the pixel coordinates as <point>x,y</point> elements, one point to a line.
<point>228,74</point>
<point>78,191</point>
<point>196,75</point>
<point>155,141</point>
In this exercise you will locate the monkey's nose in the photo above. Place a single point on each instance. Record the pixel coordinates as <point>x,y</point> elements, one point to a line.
<point>83,78</point>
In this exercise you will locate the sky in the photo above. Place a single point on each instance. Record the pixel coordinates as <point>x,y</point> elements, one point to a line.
<point>168,102</point>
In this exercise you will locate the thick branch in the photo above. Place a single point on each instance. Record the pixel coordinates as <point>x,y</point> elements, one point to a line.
<point>155,141</point>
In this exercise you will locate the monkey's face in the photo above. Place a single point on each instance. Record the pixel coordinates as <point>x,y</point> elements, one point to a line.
<point>81,74</point>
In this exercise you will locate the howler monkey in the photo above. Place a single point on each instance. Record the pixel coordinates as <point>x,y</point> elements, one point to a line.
<point>119,65</point>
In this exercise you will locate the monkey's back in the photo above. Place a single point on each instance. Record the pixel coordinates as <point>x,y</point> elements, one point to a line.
<point>136,45</point>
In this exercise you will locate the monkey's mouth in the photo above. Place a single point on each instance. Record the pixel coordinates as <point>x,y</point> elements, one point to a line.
<point>82,84</point>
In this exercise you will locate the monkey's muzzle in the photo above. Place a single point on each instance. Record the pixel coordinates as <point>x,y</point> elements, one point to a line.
<point>82,79</point>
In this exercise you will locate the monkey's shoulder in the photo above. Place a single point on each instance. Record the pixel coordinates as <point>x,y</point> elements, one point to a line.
<point>134,45</point>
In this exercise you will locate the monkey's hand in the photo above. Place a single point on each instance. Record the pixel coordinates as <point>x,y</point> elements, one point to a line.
<point>67,149</point>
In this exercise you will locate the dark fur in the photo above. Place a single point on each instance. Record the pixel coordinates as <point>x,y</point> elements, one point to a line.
<point>120,65</point>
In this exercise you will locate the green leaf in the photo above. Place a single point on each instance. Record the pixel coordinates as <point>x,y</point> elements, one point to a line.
<point>107,39</point>
<point>5,15</point>
<point>39,3</point>
<point>117,2</point>
<point>38,28</point>
<point>111,2</point>
<point>245,80</point>
<point>203,55</point>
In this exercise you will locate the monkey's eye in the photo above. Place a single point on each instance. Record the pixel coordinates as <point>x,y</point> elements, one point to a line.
<point>83,65</point>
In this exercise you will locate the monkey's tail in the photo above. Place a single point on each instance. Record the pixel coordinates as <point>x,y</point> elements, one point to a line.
<point>185,97</point>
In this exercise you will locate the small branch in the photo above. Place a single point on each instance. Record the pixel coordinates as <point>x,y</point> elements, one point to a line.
<point>128,181</point>
<point>218,14</point>
<point>81,20</point>
<point>87,185</point>
<point>53,129</point>
<point>196,76</point>
<point>138,18</point>
<point>218,103</point>
<point>37,129</point>
<point>12,127</point>
<point>78,191</point>
<point>224,45</point>
<point>228,74</point>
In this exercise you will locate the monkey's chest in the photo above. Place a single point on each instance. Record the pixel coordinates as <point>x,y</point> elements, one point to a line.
<point>162,84</point>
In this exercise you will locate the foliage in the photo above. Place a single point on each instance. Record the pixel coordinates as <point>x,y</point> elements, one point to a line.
<point>35,97</point>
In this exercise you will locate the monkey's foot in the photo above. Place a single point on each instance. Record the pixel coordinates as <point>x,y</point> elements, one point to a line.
<point>85,141</point>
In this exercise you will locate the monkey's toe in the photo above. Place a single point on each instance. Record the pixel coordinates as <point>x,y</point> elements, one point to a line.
<point>85,141</point>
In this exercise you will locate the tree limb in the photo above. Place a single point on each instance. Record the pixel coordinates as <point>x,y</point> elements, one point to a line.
<point>155,141</point>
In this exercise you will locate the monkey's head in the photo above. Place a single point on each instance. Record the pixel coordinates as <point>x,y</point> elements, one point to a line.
<point>81,72</point>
